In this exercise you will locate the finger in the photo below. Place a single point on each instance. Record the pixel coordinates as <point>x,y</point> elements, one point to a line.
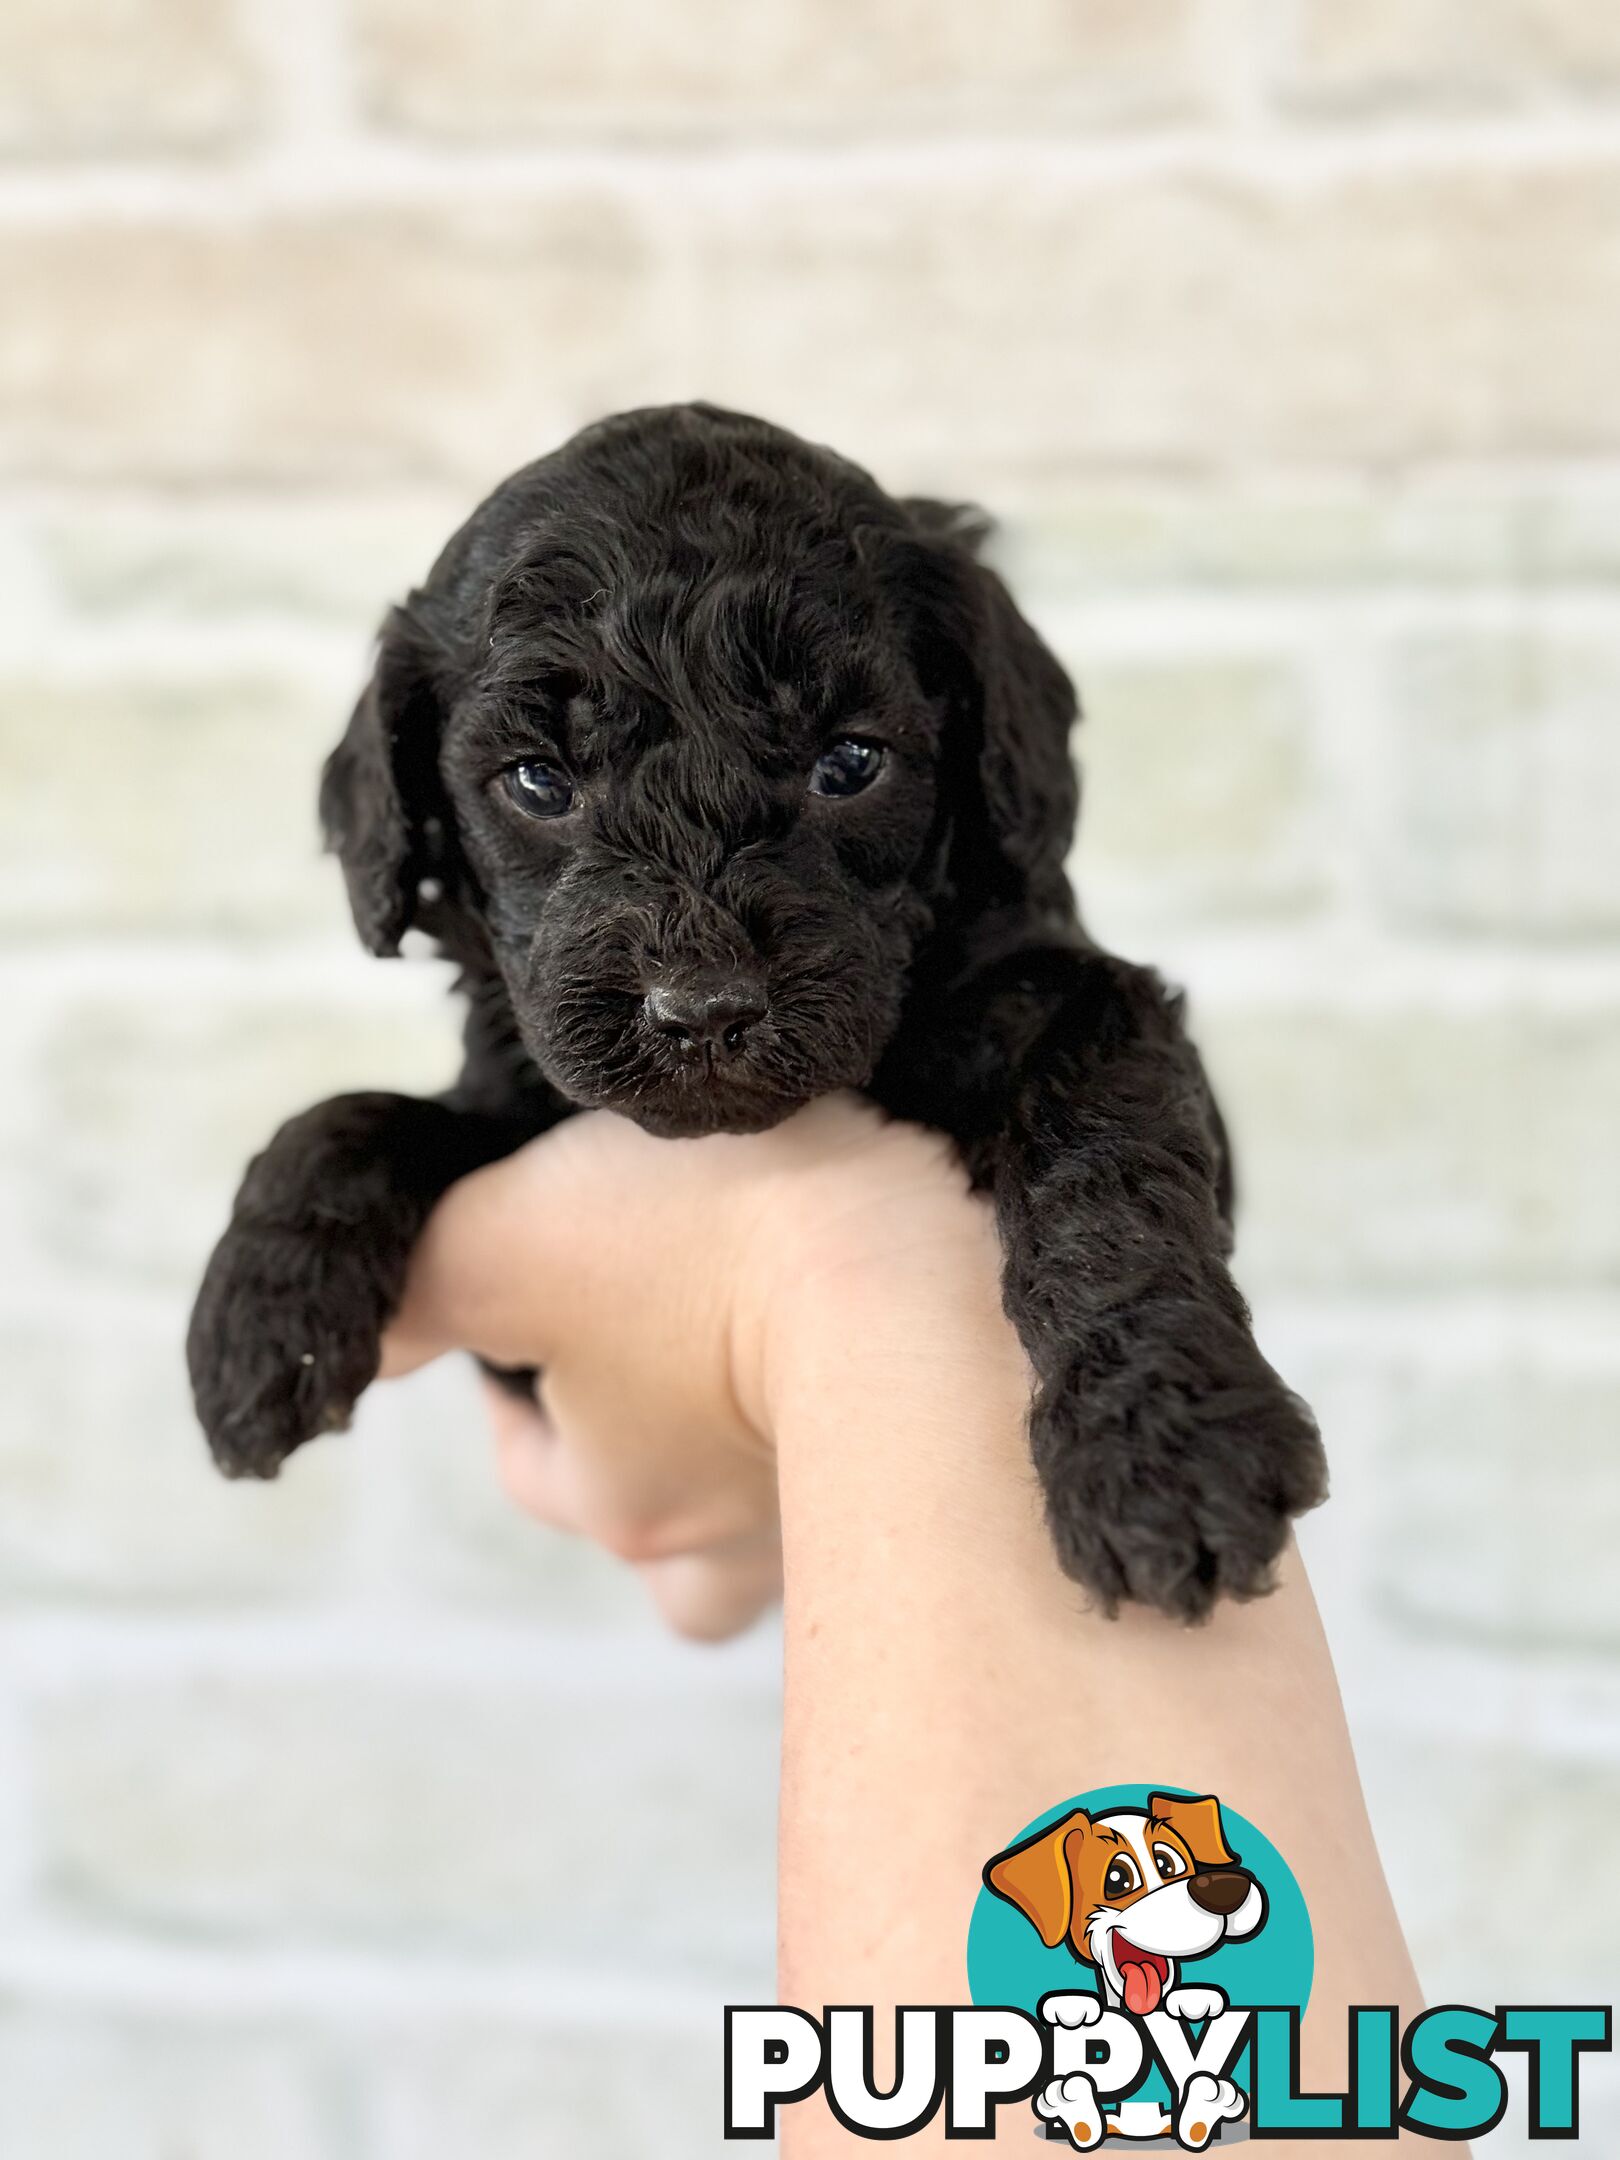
<point>713,1595</point>
<point>530,1461</point>
<point>482,1271</point>
<point>406,1347</point>
<point>564,1478</point>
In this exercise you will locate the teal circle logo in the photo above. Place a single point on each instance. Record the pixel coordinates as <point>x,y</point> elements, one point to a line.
<point>1044,1893</point>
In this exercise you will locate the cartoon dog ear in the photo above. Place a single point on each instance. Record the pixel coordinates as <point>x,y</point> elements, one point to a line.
<point>1198,1824</point>
<point>1015,700</point>
<point>1037,1876</point>
<point>382,806</point>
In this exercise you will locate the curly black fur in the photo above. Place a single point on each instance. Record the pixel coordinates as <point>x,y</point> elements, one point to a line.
<point>681,608</point>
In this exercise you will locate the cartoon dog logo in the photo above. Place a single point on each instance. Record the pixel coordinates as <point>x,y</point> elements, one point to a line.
<point>1136,1894</point>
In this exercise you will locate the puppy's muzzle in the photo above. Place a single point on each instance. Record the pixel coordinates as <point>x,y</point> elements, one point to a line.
<point>702,1021</point>
<point>1220,1890</point>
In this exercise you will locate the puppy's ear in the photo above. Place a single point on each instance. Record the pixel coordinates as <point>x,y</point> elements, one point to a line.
<point>1198,1825</point>
<point>1037,1876</point>
<point>1010,697</point>
<point>382,806</point>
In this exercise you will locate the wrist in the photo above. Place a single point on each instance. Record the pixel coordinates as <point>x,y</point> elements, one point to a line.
<point>879,1310</point>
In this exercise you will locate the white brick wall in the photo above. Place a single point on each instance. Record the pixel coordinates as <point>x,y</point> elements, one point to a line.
<point>1283,333</point>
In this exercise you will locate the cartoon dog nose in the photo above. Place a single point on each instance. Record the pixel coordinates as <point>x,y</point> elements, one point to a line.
<point>713,1019</point>
<point>1220,1890</point>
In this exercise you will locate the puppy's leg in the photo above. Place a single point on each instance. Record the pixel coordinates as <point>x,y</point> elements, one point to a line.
<point>1171,1455</point>
<point>1192,2005</point>
<point>286,1331</point>
<point>1070,2104</point>
<point>1204,2106</point>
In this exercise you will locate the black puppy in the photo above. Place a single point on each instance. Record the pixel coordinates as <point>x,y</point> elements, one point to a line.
<point>728,780</point>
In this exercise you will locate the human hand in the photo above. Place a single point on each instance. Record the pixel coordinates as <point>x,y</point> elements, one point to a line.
<point>660,1286</point>
<point>815,1311</point>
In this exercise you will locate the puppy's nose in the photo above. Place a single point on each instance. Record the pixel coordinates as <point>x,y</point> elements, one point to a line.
<point>1221,1890</point>
<point>715,1018</point>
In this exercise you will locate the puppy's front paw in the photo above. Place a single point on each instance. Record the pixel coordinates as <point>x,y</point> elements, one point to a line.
<point>1071,2102</point>
<point>1173,1467</point>
<point>284,1338</point>
<point>1192,2005</point>
<point>1071,2010</point>
<point>1204,2106</point>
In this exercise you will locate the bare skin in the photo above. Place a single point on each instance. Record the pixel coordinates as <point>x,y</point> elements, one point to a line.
<point>783,1358</point>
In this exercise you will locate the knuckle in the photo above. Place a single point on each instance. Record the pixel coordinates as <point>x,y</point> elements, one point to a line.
<point>639,1541</point>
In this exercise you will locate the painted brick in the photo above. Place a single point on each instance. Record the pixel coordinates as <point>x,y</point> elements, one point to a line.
<point>393,343</point>
<point>452,1533</point>
<point>1195,319</point>
<point>1504,1804</point>
<point>328,562</point>
<point>624,1830</point>
<point>1341,54</point>
<point>1573,39</point>
<point>355,345</point>
<point>107,1494</point>
<point>1420,1146</point>
<point>224,837</point>
<point>1300,535</point>
<point>1497,774</point>
<point>78,2086</point>
<point>1575,533</point>
<point>1500,1490</point>
<point>1305,535</point>
<point>1371,56</point>
<point>1198,791</point>
<point>507,2096</point>
<point>321,559</point>
<point>504,68</point>
<point>82,78</point>
<point>144,1110</point>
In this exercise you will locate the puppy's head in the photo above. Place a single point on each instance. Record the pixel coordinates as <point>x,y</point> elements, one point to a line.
<point>698,736</point>
<point>1133,1892</point>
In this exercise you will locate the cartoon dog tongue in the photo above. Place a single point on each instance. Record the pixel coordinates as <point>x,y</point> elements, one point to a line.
<point>1141,1975</point>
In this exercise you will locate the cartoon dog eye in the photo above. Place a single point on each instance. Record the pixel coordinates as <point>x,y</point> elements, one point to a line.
<point>1121,1878</point>
<point>1169,1862</point>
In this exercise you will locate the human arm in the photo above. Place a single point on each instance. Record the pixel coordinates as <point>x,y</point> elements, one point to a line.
<point>945,1684</point>
<point>812,1316</point>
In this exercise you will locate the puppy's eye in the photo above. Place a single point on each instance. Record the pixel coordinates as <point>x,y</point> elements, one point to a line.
<point>538,789</point>
<point>1120,1879</point>
<point>1168,1862</point>
<point>846,767</point>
